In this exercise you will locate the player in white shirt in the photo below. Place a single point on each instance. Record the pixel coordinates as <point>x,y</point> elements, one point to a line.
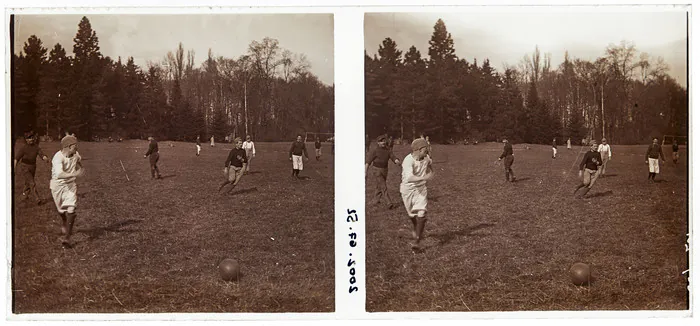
<point>416,170</point>
<point>66,166</point>
<point>249,147</point>
<point>605,153</point>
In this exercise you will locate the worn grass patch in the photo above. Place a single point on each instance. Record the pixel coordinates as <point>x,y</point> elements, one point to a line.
<point>497,246</point>
<point>149,246</point>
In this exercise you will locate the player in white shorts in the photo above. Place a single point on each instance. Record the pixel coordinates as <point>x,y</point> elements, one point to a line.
<point>66,166</point>
<point>416,170</point>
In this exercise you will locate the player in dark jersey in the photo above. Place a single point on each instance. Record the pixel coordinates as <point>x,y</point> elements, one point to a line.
<point>295,155</point>
<point>153,155</point>
<point>235,165</point>
<point>508,162</point>
<point>26,157</point>
<point>675,151</point>
<point>588,169</point>
<point>378,158</point>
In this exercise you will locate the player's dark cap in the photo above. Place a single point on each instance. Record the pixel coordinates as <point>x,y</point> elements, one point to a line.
<point>29,135</point>
<point>381,138</point>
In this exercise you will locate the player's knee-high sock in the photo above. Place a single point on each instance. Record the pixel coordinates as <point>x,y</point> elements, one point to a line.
<point>420,226</point>
<point>70,221</point>
<point>64,229</point>
<point>413,230</point>
<point>653,176</point>
<point>507,176</point>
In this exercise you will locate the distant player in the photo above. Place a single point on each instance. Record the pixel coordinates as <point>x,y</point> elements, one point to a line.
<point>296,151</point>
<point>379,158</point>
<point>199,145</point>
<point>66,166</point>
<point>652,158</point>
<point>211,143</point>
<point>507,157</point>
<point>153,155</point>
<point>674,147</point>
<point>568,143</point>
<point>430,148</point>
<point>390,143</point>
<point>235,165</point>
<point>26,157</point>
<point>588,169</point>
<point>554,148</point>
<point>606,154</point>
<point>249,148</point>
<point>317,146</point>
<point>416,170</point>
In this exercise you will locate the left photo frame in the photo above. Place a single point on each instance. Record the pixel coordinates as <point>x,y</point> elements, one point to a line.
<point>171,163</point>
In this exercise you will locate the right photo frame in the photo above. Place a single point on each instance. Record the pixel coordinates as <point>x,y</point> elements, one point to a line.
<point>527,160</point>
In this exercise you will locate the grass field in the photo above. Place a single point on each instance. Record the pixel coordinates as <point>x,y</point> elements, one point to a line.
<point>497,246</point>
<point>147,246</point>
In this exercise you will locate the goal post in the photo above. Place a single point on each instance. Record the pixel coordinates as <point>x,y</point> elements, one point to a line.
<point>668,139</point>
<point>324,136</point>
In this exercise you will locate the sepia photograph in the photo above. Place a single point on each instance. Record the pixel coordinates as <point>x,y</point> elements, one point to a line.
<point>525,160</point>
<point>171,163</point>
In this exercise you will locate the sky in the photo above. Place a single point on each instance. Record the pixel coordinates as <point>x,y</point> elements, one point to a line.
<point>505,37</point>
<point>150,37</point>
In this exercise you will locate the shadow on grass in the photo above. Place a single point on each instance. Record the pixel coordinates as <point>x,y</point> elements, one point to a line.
<point>168,176</point>
<point>303,177</point>
<point>660,181</point>
<point>449,236</point>
<point>608,175</point>
<point>517,180</point>
<point>601,194</point>
<point>96,233</point>
<point>253,172</point>
<point>243,191</point>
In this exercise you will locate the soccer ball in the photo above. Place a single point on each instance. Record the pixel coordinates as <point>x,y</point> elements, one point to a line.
<point>229,269</point>
<point>580,274</point>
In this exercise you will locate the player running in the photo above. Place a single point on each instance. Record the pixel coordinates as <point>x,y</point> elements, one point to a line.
<point>379,158</point>
<point>66,166</point>
<point>416,170</point>
<point>26,157</point>
<point>588,169</point>
<point>235,165</point>
<point>199,145</point>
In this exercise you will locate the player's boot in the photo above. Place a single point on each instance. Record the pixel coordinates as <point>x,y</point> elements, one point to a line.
<point>585,191</point>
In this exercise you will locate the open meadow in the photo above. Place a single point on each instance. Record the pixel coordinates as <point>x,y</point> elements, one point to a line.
<point>152,246</point>
<point>496,246</point>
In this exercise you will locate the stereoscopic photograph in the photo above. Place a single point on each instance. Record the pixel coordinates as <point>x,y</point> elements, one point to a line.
<point>527,160</point>
<point>166,163</point>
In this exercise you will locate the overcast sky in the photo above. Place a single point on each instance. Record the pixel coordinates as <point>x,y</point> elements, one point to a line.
<point>150,37</point>
<point>505,37</point>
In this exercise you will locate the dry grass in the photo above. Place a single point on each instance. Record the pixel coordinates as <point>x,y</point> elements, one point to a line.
<point>497,246</point>
<point>148,246</point>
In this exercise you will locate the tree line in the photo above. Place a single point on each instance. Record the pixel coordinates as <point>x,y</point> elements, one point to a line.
<point>624,97</point>
<point>268,93</point>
